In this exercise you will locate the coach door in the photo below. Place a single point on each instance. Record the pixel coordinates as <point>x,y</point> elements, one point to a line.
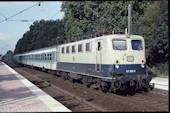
<point>58,57</point>
<point>98,55</point>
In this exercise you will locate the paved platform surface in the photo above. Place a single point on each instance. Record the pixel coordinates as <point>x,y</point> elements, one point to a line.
<point>17,94</point>
<point>160,83</point>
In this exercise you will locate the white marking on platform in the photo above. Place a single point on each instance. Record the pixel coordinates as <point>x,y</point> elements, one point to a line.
<point>160,83</point>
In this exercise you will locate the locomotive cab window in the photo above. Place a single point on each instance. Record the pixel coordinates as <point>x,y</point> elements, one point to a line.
<point>137,45</point>
<point>119,45</point>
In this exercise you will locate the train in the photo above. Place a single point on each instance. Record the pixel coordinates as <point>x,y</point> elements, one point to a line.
<point>112,62</point>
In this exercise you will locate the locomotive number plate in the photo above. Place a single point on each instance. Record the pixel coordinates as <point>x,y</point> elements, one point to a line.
<point>130,71</point>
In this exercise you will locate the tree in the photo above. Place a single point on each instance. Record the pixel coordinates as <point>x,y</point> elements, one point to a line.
<point>153,25</point>
<point>41,34</point>
<point>8,56</point>
<point>90,16</point>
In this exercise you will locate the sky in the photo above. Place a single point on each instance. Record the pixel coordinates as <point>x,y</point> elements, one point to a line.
<point>12,29</point>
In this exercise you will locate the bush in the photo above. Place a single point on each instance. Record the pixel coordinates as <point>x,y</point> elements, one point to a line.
<point>159,69</point>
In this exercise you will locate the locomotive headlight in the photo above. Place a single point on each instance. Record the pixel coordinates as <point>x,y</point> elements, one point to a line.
<point>116,66</point>
<point>142,65</point>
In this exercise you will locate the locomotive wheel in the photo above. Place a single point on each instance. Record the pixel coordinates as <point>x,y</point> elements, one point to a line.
<point>63,75</point>
<point>85,82</point>
<point>97,85</point>
<point>70,79</point>
<point>104,89</point>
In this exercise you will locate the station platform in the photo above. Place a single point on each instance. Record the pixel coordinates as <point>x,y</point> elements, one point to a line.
<point>160,83</point>
<point>17,94</point>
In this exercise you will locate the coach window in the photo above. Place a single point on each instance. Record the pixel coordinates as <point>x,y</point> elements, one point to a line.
<point>73,49</point>
<point>35,57</point>
<point>41,56</point>
<point>88,47</point>
<point>50,57</point>
<point>80,48</point>
<point>67,49</point>
<point>63,50</point>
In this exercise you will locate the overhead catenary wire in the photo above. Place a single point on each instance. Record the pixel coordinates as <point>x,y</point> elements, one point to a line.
<point>24,20</point>
<point>6,19</point>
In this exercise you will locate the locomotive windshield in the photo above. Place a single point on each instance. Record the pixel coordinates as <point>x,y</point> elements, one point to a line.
<point>137,45</point>
<point>119,44</point>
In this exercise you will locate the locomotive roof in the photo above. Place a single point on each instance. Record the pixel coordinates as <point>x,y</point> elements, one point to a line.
<point>121,36</point>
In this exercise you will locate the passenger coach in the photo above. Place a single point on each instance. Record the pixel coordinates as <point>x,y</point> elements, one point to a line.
<point>44,58</point>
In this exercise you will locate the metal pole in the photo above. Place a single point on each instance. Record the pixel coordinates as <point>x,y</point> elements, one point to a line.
<point>129,19</point>
<point>57,31</point>
<point>57,40</point>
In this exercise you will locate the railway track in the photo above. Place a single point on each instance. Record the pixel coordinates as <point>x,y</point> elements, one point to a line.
<point>150,104</point>
<point>71,101</point>
<point>152,101</point>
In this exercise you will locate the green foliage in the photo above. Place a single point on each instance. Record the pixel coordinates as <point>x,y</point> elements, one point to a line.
<point>87,17</point>
<point>41,34</point>
<point>159,70</point>
<point>8,57</point>
<point>153,25</point>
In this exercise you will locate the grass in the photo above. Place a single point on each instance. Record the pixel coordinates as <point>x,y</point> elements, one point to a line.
<point>163,76</point>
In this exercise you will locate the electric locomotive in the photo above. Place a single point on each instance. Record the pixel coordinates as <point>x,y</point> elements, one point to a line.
<point>110,62</point>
